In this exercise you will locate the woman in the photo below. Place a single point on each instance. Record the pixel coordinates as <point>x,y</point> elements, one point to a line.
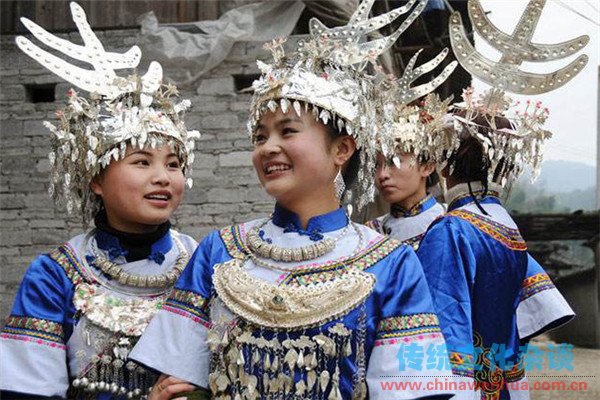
<point>304,302</point>
<point>405,169</point>
<point>491,295</point>
<point>406,189</point>
<point>119,160</point>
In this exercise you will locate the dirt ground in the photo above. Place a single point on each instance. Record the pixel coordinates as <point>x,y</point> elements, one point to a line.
<point>586,372</point>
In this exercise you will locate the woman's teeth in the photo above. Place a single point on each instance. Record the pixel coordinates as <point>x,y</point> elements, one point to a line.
<point>276,168</point>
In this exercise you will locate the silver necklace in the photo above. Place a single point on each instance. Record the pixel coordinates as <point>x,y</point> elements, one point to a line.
<point>287,254</point>
<point>276,267</point>
<point>164,280</point>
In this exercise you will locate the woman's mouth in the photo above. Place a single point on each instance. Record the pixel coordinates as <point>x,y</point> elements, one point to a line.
<point>276,169</point>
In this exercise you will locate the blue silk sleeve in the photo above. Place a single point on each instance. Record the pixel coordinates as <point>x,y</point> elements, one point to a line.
<point>406,325</point>
<point>449,265</point>
<point>33,341</point>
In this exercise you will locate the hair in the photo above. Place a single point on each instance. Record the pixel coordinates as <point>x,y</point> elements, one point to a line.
<point>470,164</point>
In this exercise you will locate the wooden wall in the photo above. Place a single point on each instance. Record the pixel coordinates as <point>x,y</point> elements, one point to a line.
<point>102,14</point>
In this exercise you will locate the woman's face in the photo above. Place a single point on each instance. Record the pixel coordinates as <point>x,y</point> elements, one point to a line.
<point>405,185</point>
<point>142,190</point>
<point>294,157</point>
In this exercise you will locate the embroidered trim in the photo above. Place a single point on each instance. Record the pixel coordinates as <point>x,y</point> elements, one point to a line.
<point>510,238</point>
<point>462,364</point>
<point>407,325</point>
<point>187,302</point>
<point>408,339</point>
<point>22,338</point>
<point>232,238</point>
<point>65,257</point>
<point>535,284</point>
<point>35,328</point>
<point>490,377</point>
<point>376,225</point>
<point>374,253</point>
<point>424,204</point>
<point>414,241</point>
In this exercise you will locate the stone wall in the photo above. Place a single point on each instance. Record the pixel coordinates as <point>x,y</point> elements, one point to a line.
<point>225,190</point>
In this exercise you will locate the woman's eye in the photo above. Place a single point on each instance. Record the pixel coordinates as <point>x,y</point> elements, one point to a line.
<point>174,164</point>
<point>288,130</point>
<point>141,162</point>
<point>259,138</point>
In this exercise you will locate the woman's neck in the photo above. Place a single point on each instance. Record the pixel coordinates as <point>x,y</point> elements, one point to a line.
<point>305,210</point>
<point>410,201</point>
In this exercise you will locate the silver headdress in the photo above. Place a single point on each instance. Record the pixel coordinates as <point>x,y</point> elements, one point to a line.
<point>91,132</point>
<point>326,76</point>
<point>407,127</point>
<point>521,145</point>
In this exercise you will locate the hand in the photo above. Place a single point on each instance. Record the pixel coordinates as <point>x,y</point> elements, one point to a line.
<point>167,386</point>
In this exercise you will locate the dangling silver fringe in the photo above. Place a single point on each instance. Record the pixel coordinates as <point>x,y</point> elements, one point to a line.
<point>339,184</point>
<point>249,363</point>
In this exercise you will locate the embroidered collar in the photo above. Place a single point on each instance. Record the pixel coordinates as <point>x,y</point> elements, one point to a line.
<point>459,195</point>
<point>397,211</point>
<point>131,248</point>
<point>328,222</point>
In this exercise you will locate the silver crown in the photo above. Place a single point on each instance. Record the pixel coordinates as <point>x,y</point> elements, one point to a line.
<point>326,76</point>
<point>91,132</point>
<point>522,145</point>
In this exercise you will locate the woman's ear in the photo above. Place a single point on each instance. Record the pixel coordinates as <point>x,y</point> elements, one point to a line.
<point>427,169</point>
<point>96,185</point>
<point>343,148</point>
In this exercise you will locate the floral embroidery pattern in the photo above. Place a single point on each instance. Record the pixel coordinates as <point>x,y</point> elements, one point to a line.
<point>190,304</point>
<point>374,253</point>
<point>510,238</point>
<point>232,238</point>
<point>34,329</point>
<point>66,258</point>
<point>407,325</point>
<point>535,284</point>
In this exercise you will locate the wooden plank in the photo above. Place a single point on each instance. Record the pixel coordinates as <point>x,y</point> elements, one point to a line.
<point>61,16</point>
<point>44,14</point>
<point>543,227</point>
<point>55,15</point>
<point>206,11</point>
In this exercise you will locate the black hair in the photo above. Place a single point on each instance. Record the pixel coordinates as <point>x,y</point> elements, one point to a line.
<point>469,163</point>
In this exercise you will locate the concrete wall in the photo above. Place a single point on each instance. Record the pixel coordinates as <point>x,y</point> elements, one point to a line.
<point>225,189</point>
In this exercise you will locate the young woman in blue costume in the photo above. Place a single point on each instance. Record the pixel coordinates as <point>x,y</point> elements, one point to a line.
<point>406,189</point>
<point>491,296</point>
<point>304,303</point>
<point>405,170</point>
<point>118,158</point>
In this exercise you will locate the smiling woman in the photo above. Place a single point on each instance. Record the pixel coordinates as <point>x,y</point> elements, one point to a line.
<point>119,158</point>
<point>304,303</point>
<point>296,161</point>
<point>141,190</point>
